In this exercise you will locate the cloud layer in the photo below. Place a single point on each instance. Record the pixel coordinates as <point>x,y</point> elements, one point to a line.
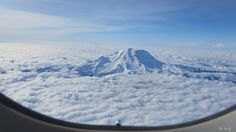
<point>41,77</point>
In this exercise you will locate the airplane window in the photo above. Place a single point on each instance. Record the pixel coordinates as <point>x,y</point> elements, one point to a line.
<point>132,62</point>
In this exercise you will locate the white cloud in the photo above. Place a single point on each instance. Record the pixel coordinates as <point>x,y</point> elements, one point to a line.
<point>219,45</point>
<point>17,24</point>
<point>59,18</point>
<point>224,46</point>
<point>13,19</point>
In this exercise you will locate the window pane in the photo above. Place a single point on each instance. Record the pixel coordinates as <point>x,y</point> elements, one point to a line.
<point>144,63</point>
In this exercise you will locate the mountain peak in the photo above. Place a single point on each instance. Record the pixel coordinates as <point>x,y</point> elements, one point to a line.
<point>128,60</point>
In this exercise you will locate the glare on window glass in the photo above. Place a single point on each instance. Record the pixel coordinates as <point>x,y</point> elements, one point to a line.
<point>136,62</point>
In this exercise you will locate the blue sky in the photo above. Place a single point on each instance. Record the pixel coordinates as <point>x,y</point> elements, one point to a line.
<point>144,22</point>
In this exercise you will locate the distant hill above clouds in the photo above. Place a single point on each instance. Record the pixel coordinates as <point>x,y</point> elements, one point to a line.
<point>137,61</point>
<point>128,60</point>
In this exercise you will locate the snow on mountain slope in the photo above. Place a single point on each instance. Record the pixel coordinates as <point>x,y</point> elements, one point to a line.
<point>129,61</point>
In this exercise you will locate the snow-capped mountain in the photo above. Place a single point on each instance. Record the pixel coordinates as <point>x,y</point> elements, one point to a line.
<point>129,61</point>
<point>138,61</point>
